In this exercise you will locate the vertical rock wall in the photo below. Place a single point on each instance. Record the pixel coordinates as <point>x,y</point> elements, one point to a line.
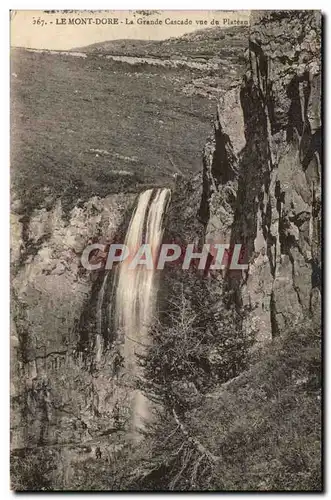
<point>64,388</point>
<point>262,171</point>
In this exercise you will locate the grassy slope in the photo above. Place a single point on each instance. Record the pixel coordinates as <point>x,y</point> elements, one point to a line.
<point>62,106</point>
<point>266,425</point>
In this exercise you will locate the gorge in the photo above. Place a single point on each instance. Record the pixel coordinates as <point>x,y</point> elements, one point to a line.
<point>229,362</point>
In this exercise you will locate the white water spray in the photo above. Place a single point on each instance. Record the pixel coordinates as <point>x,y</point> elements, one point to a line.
<point>136,290</point>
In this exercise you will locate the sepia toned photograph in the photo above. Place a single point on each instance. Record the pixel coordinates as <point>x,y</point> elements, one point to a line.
<point>165,251</point>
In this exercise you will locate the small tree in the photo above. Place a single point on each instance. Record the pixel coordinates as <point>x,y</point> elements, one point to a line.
<point>198,343</point>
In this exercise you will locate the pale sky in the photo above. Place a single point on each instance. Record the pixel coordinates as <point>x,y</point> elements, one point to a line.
<point>50,34</point>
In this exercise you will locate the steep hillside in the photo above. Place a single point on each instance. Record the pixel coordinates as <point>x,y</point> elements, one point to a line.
<point>260,429</point>
<point>234,369</point>
<point>88,134</point>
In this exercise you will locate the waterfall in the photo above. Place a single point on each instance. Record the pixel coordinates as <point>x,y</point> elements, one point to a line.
<point>136,290</point>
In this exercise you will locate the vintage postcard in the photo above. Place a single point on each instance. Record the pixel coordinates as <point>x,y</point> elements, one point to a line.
<point>166,220</point>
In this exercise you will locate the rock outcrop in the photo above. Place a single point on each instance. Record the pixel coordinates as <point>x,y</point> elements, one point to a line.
<point>261,187</point>
<point>262,171</point>
<point>65,385</point>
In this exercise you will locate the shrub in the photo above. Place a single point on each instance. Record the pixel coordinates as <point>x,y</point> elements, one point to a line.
<point>32,470</point>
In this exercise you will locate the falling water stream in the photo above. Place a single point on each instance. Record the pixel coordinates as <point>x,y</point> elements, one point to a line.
<point>136,289</point>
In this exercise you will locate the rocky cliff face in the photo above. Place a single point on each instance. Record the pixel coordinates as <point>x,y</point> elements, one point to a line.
<point>262,171</point>
<point>261,187</point>
<point>64,382</point>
